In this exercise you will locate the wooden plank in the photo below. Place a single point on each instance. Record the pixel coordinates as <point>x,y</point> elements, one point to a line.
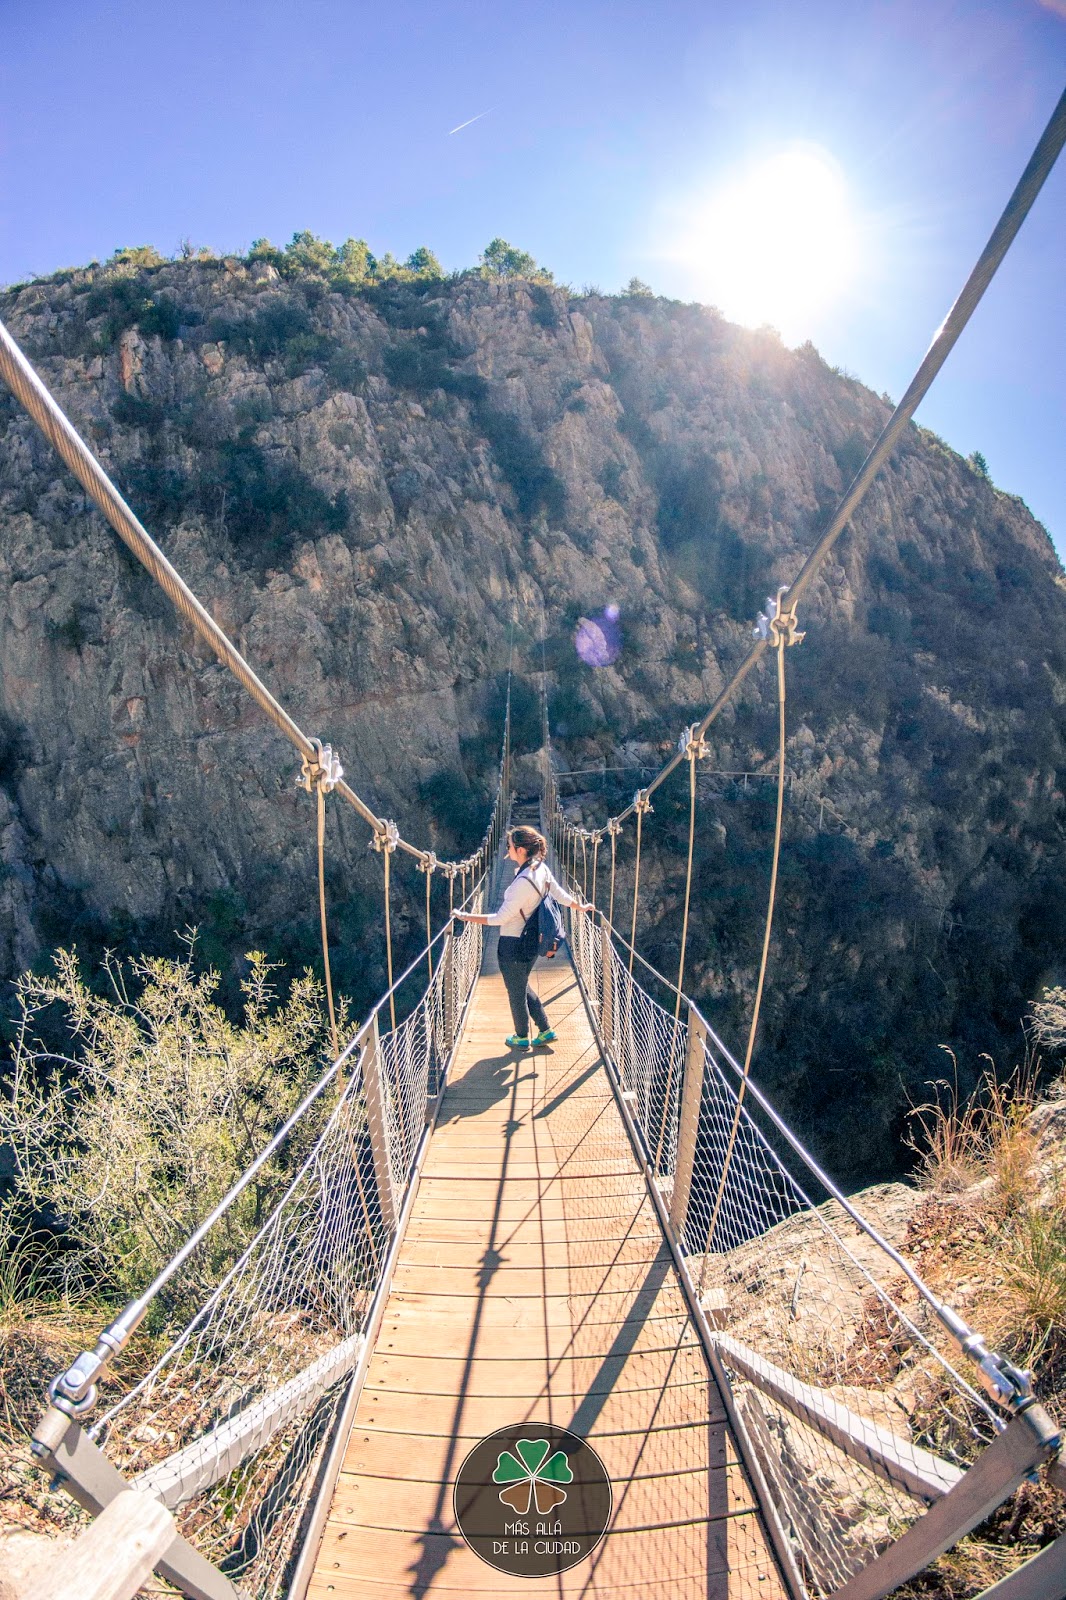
<point>534,1287</point>
<point>534,1228</point>
<point>586,1255</point>
<point>409,1504</point>
<point>640,1452</point>
<point>621,1410</point>
<point>632,1559</point>
<point>634,1277</point>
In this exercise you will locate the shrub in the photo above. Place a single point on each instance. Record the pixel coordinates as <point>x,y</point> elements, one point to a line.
<point>131,1137</point>
<point>1049,1019</point>
<point>70,632</point>
<point>535,485</point>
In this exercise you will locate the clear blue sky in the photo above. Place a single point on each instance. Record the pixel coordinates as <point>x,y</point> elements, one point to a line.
<point>610,127</point>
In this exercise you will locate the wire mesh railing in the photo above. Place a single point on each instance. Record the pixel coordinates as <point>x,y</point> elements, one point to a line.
<point>863,1400</point>
<point>242,1382</point>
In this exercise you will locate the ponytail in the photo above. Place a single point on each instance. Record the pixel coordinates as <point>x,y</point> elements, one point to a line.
<point>528,839</point>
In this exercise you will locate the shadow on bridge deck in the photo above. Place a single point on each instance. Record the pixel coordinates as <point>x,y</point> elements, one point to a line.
<point>534,1285</point>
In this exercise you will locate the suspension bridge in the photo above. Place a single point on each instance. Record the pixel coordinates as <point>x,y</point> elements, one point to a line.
<point>616,1236</point>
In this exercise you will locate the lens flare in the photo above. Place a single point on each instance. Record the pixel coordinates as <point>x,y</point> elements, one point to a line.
<point>598,640</point>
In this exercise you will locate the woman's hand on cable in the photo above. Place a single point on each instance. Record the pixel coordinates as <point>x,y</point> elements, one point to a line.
<point>588,907</point>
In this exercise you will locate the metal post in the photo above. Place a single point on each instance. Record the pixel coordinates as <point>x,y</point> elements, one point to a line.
<point>378,1125</point>
<point>688,1128</point>
<point>448,991</point>
<point>606,986</point>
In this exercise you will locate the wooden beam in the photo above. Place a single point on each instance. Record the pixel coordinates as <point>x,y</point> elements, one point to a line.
<point>1027,1442</point>
<point>113,1557</point>
<point>904,1464</point>
<point>214,1455</point>
<point>374,1089</point>
<point>94,1481</point>
<point>689,1122</point>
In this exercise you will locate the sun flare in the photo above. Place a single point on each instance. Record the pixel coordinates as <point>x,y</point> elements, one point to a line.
<point>777,244</point>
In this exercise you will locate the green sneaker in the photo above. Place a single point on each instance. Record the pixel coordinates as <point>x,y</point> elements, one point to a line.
<point>516,1042</point>
<point>545,1036</point>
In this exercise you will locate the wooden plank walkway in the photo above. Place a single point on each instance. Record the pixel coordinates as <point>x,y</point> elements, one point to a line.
<point>533,1284</point>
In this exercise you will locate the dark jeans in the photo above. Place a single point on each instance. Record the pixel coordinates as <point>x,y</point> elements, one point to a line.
<point>524,1003</point>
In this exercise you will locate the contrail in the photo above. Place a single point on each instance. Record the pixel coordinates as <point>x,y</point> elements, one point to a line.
<point>466,124</point>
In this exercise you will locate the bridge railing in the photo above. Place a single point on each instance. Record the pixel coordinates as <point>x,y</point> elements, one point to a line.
<point>245,1352</point>
<point>879,1426</point>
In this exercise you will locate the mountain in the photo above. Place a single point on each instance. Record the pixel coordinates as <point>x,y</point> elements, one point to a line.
<point>379,483</point>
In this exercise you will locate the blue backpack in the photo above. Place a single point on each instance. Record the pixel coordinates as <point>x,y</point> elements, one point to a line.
<point>543,932</point>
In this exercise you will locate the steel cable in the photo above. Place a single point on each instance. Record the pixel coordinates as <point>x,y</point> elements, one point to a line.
<point>780,644</point>
<point>944,340</point>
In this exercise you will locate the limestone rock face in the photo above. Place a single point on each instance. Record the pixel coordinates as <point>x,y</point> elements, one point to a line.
<point>378,493</point>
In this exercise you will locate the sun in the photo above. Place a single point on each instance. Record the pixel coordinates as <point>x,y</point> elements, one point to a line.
<point>776,244</point>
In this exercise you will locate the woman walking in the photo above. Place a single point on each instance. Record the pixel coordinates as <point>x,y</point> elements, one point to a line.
<point>532,882</point>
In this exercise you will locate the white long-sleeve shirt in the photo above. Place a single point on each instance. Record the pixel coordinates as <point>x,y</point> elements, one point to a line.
<point>523,897</point>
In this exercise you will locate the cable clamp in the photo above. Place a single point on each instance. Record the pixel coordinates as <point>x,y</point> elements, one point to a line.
<point>74,1391</point>
<point>641,802</point>
<point>778,623</point>
<point>386,838</point>
<point>688,744</point>
<point>451,869</point>
<point>614,827</point>
<point>1006,1383</point>
<point>321,770</point>
<point>427,862</point>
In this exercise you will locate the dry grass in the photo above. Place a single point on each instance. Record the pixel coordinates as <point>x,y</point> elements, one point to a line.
<point>997,1243</point>
<point>988,1135</point>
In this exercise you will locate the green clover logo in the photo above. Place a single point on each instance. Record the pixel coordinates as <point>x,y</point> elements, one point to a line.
<point>532,1477</point>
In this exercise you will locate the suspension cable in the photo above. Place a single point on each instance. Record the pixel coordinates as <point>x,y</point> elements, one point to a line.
<point>61,434</point>
<point>641,804</point>
<point>614,828</point>
<point>944,340</point>
<point>428,866</point>
<point>321,803</point>
<point>387,851</point>
<point>783,634</point>
<point>695,750</point>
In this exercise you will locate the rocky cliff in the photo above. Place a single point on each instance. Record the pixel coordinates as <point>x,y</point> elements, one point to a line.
<point>371,485</point>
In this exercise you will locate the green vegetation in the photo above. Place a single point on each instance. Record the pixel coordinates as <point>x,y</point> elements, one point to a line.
<point>131,1130</point>
<point>502,260</point>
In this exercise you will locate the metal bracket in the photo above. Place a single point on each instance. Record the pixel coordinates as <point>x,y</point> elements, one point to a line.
<point>427,862</point>
<point>322,770</point>
<point>387,837</point>
<point>778,622</point>
<point>641,802</point>
<point>688,744</point>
